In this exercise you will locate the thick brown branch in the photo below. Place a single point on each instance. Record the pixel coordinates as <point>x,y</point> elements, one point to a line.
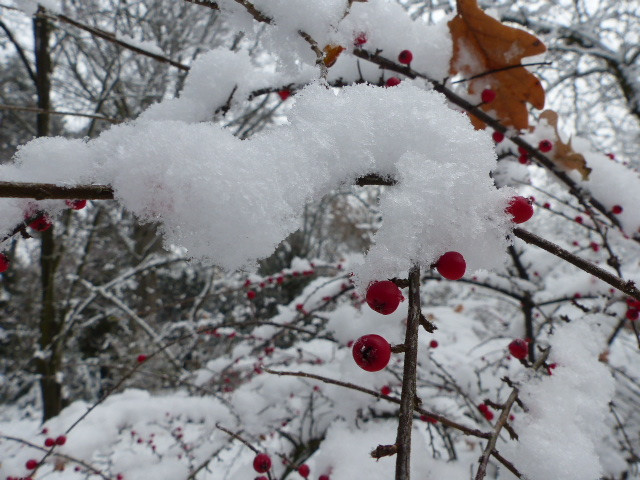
<point>42,191</point>
<point>627,286</point>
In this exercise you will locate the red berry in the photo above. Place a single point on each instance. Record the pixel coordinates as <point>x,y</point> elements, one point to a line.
<point>61,440</point>
<point>617,209</point>
<point>41,224</point>
<point>141,358</point>
<point>545,146</point>
<point>611,156</point>
<point>300,306</point>
<point>386,390</point>
<point>519,349</point>
<point>251,294</point>
<point>488,95</point>
<point>284,94</point>
<point>405,57</point>
<point>547,205</point>
<point>594,246</point>
<point>484,409</point>
<point>4,263</point>
<point>49,442</point>
<point>520,209</point>
<point>280,280</point>
<point>76,204</point>
<point>578,219</point>
<point>324,477</point>
<point>262,463</point>
<point>523,159</point>
<point>361,39</point>
<point>371,352</point>
<point>522,151</point>
<point>433,344</point>
<point>451,266</point>
<point>119,476</point>
<point>304,470</point>
<point>392,82</point>
<point>44,431</point>
<point>632,314</point>
<point>31,464</point>
<point>428,419</point>
<point>384,297</point>
<point>498,136</point>
<point>262,477</point>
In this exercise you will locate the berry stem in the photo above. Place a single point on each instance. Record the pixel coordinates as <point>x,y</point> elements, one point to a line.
<point>405,418</point>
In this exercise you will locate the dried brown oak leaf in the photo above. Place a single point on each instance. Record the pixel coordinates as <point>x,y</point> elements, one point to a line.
<point>331,54</point>
<point>563,154</point>
<point>482,44</point>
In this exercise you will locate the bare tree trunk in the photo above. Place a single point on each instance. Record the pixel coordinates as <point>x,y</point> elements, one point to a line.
<point>49,364</point>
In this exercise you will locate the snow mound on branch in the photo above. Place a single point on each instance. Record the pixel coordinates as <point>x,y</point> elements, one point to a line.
<point>231,201</point>
<point>560,436</point>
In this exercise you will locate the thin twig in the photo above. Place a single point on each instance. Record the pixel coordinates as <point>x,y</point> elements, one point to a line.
<point>57,112</point>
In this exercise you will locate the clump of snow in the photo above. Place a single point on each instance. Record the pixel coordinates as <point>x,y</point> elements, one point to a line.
<point>560,435</point>
<point>231,202</point>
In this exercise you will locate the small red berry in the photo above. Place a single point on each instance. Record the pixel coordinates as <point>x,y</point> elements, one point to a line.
<point>433,344</point>
<point>300,306</point>
<point>611,156</point>
<point>262,477</point>
<point>49,442</point>
<point>520,209</point>
<point>484,409</point>
<point>284,94</point>
<point>617,209</point>
<point>4,263</point>
<point>522,151</point>
<point>523,159</point>
<point>498,136</point>
<point>119,476</point>
<point>61,440</point>
<point>428,419</point>
<point>304,470</point>
<point>41,224</point>
<point>632,314</point>
<point>141,358</point>
<point>405,57</point>
<point>386,390</point>
<point>371,352</point>
<point>44,431</point>
<point>578,219</point>
<point>324,477</point>
<point>361,39</point>
<point>392,82</point>
<point>547,205</point>
<point>31,464</point>
<point>545,146</point>
<point>384,297</point>
<point>451,265</point>
<point>76,204</point>
<point>594,246</point>
<point>251,294</point>
<point>262,463</point>
<point>519,349</point>
<point>488,95</point>
<point>280,280</point>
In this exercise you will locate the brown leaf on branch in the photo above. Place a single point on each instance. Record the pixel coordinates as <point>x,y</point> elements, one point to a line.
<point>482,44</point>
<point>563,154</point>
<point>331,54</point>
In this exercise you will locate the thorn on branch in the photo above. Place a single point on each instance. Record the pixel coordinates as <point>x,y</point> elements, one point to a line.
<point>427,325</point>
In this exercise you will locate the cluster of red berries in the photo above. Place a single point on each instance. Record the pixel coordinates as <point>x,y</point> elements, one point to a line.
<point>633,309</point>
<point>278,280</point>
<point>486,413</point>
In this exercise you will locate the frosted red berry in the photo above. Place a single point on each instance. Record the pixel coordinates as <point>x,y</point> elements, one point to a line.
<point>371,352</point>
<point>384,297</point>
<point>262,463</point>
<point>545,146</point>
<point>392,82</point>
<point>617,209</point>
<point>284,94</point>
<point>304,470</point>
<point>361,39</point>
<point>498,136</point>
<point>76,204</point>
<point>405,57</point>
<point>4,263</point>
<point>520,209</point>
<point>488,95</point>
<point>451,266</point>
<point>49,442</point>
<point>433,344</point>
<point>386,390</point>
<point>141,358</point>
<point>41,224</point>
<point>251,294</point>
<point>519,349</point>
<point>61,440</point>
<point>31,464</point>
<point>632,314</point>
